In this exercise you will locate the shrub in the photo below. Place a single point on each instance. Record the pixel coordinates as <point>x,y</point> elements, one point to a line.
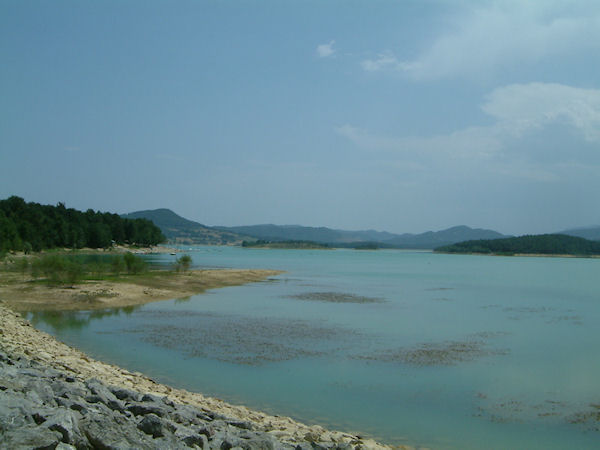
<point>117,265</point>
<point>183,263</point>
<point>57,269</point>
<point>134,264</point>
<point>22,265</point>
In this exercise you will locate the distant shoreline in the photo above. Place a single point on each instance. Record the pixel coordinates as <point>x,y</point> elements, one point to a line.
<point>526,255</point>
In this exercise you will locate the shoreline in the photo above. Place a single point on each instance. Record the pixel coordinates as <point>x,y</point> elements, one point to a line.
<point>523,255</point>
<point>23,294</point>
<point>19,339</point>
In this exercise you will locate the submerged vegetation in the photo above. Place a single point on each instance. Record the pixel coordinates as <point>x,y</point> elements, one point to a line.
<point>544,244</point>
<point>33,227</point>
<point>335,297</point>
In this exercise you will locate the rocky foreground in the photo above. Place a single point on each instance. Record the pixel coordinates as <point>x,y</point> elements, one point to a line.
<point>55,397</point>
<point>43,408</point>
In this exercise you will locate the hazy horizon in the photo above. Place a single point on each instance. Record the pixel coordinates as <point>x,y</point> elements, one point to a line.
<point>394,116</point>
<point>352,229</point>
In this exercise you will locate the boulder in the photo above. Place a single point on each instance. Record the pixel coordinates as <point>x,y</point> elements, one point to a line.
<point>66,422</point>
<point>31,437</point>
<point>141,409</point>
<point>152,424</point>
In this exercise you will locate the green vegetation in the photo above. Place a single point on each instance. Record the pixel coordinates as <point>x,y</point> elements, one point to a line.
<point>57,269</point>
<point>33,227</point>
<point>134,264</point>
<point>183,263</point>
<point>544,244</point>
<point>304,245</point>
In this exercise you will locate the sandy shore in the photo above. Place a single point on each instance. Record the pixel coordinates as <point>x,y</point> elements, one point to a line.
<point>21,294</point>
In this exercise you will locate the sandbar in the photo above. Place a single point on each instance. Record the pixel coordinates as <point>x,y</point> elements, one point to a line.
<point>22,294</point>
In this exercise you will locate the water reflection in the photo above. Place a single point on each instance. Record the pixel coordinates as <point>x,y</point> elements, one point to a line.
<point>77,320</point>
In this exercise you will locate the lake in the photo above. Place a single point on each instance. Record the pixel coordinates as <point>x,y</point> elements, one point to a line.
<point>407,347</point>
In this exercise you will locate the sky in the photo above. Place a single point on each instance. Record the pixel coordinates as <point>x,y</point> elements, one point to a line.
<point>403,116</point>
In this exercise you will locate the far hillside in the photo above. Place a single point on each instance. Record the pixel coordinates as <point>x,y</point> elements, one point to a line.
<point>179,230</point>
<point>322,235</point>
<point>433,239</point>
<point>591,233</point>
<point>382,239</point>
<point>544,244</point>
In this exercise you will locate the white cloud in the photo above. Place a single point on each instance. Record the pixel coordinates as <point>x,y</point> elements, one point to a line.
<point>326,50</point>
<point>521,107</point>
<point>518,109</point>
<point>364,139</point>
<point>502,34</point>
<point>386,61</point>
<point>474,143</point>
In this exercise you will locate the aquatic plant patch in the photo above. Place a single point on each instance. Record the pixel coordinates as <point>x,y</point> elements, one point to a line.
<point>243,340</point>
<point>445,353</point>
<point>336,297</point>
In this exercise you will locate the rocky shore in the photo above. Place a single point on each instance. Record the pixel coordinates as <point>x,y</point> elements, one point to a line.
<point>54,396</point>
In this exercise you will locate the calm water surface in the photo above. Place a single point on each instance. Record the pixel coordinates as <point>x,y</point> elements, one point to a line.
<point>445,351</point>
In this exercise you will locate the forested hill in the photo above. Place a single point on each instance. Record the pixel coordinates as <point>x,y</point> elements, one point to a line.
<point>179,230</point>
<point>543,244</point>
<point>31,226</point>
<point>427,240</point>
<point>591,233</point>
<point>433,239</point>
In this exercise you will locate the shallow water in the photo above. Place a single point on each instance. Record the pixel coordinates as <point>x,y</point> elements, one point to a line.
<point>446,351</point>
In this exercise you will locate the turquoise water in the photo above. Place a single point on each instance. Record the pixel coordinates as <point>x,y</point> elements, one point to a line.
<point>445,351</point>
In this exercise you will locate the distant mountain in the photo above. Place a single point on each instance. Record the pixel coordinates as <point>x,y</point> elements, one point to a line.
<point>323,235</point>
<point>428,240</point>
<point>433,239</point>
<point>592,233</point>
<point>183,231</point>
<point>179,230</point>
<point>544,244</point>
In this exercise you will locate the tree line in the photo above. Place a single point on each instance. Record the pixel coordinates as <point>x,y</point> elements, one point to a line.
<point>34,227</point>
<point>544,244</point>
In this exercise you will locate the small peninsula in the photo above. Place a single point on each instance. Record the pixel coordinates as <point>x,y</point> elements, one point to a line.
<point>543,244</point>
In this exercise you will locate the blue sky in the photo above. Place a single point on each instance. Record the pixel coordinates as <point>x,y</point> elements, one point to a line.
<point>403,116</point>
